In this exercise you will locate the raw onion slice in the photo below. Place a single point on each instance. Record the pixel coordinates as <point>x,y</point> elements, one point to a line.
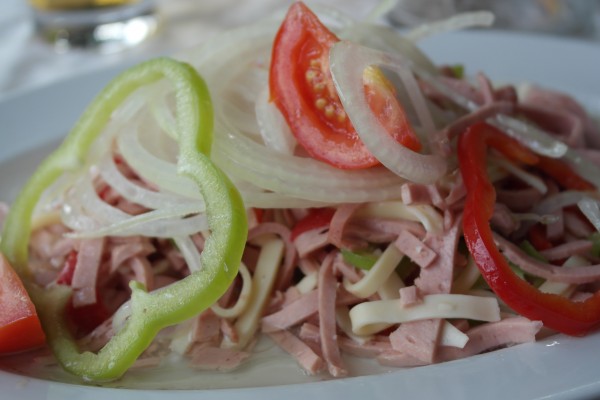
<point>190,252</point>
<point>348,62</point>
<point>164,223</point>
<point>389,40</point>
<point>245,158</point>
<point>591,209</point>
<point>381,9</point>
<point>559,200</point>
<point>273,128</point>
<point>453,23</point>
<point>83,210</point>
<point>526,177</point>
<point>139,195</point>
<point>153,169</point>
<point>89,216</point>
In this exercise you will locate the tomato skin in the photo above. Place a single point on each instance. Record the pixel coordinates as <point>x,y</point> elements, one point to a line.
<point>302,88</point>
<point>20,327</point>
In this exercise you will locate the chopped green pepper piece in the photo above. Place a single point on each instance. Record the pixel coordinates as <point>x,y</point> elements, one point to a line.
<point>595,238</point>
<point>150,312</point>
<point>531,251</point>
<point>458,70</point>
<point>360,260</point>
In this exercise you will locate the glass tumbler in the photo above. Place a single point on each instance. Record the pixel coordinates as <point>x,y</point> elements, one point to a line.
<point>103,25</point>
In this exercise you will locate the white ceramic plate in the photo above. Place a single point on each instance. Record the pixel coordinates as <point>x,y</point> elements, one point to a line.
<point>557,368</point>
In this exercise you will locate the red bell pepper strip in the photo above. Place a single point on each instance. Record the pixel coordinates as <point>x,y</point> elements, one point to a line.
<point>537,237</point>
<point>556,312</point>
<point>316,218</point>
<point>563,174</point>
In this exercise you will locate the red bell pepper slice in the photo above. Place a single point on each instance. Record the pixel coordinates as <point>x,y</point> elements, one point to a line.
<point>556,312</point>
<point>316,218</point>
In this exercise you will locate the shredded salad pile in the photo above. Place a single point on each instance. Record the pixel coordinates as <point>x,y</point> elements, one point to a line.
<point>392,209</point>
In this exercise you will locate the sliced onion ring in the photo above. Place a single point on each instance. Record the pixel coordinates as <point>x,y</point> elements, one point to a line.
<point>454,23</point>
<point>348,62</point>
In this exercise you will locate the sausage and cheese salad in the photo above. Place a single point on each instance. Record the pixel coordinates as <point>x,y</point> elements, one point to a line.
<point>315,180</point>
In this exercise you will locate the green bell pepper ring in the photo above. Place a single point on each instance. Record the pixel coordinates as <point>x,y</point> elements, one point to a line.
<point>150,312</point>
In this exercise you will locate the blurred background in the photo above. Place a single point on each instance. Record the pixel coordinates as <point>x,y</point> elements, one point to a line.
<point>35,51</point>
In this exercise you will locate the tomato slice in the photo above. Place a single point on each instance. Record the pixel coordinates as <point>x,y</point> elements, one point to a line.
<point>302,88</point>
<point>20,327</point>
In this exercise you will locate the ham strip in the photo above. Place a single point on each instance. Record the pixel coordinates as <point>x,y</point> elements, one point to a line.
<point>418,340</point>
<point>437,278</point>
<point>346,270</point>
<point>414,193</point>
<point>217,359</point>
<point>327,321</point>
<point>553,100</point>
<point>565,126</point>
<point>399,359</point>
<point>509,331</point>
<point>481,114</point>
<point>368,349</point>
<point>143,272</point>
<point>306,357</point>
<point>556,229</point>
<point>311,240</point>
<point>519,200</point>
<point>409,295</point>
<point>414,248</point>
<point>146,362</point>
<point>123,252</point>
<point>463,88</point>
<point>379,230</point>
<point>576,226</point>
<point>284,277</point>
<point>338,224</point>
<point>503,220</point>
<point>566,250</point>
<point>85,276</point>
<point>550,272</point>
<point>206,328</point>
<point>48,245</point>
<point>371,349</point>
<point>294,313</point>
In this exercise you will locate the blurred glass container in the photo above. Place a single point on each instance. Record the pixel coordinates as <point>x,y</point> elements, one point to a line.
<point>107,26</point>
<point>561,17</point>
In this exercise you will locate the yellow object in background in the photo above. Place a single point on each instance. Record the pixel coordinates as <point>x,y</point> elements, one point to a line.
<point>77,4</point>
